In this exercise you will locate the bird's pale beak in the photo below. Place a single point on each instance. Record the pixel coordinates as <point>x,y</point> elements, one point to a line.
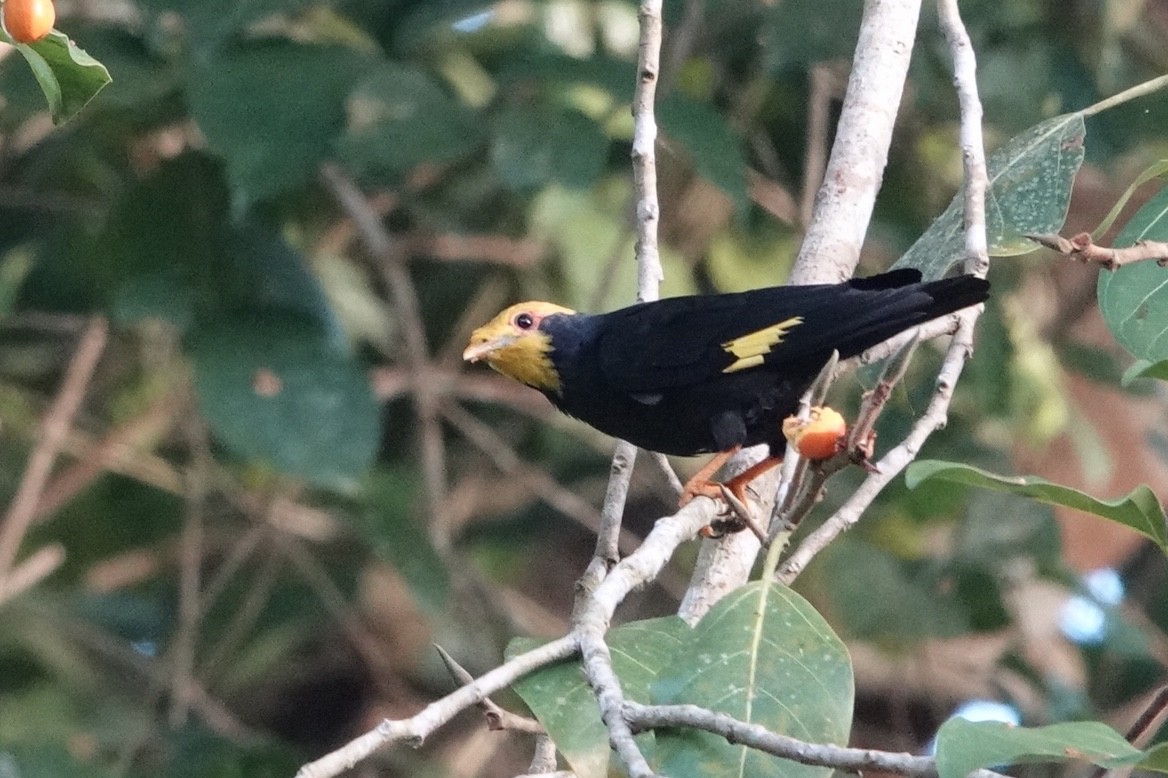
<point>480,348</point>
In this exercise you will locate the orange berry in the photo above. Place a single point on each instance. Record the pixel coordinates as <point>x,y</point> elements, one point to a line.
<point>27,21</point>
<point>819,437</point>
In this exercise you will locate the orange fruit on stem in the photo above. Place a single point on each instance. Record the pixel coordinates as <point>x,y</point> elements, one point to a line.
<point>819,437</point>
<point>27,21</point>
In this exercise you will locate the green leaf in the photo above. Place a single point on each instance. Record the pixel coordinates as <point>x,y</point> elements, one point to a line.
<point>45,760</point>
<point>964,746</point>
<point>1139,510</point>
<point>1134,298</point>
<point>560,697</point>
<point>273,109</point>
<point>208,22</point>
<point>1155,758</point>
<point>535,146</point>
<point>274,389</point>
<point>1156,170</point>
<point>525,66</point>
<point>765,656</point>
<point>874,596</point>
<point>399,117</point>
<point>1142,368</point>
<point>396,537</point>
<point>163,245</point>
<point>68,76</point>
<point>715,149</point>
<point>1030,189</point>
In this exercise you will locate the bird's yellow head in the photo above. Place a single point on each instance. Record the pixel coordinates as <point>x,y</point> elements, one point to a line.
<point>513,344</point>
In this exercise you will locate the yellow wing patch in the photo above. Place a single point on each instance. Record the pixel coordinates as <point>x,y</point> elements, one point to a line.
<point>751,349</point>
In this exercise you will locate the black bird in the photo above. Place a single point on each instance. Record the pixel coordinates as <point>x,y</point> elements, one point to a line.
<point>707,373</point>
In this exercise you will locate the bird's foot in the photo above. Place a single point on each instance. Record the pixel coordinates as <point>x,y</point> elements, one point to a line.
<point>736,517</point>
<point>737,514</point>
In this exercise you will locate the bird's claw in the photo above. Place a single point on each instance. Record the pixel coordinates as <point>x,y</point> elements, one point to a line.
<point>736,517</point>
<point>736,507</point>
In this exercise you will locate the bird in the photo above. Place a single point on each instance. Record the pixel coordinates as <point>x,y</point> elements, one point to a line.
<point>708,374</point>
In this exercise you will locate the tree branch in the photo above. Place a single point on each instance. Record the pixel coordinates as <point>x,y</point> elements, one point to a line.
<point>418,727</point>
<point>645,717</point>
<point>1082,248</point>
<point>54,429</point>
<point>843,206</point>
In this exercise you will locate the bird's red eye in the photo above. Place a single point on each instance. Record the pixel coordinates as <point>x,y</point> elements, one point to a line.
<point>524,321</point>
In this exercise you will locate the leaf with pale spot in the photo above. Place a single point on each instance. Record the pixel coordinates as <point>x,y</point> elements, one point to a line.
<point>762,655</point>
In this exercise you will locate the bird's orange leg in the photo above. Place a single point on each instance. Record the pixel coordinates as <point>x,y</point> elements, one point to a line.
<point>701,485</point>
<point>733,492</point>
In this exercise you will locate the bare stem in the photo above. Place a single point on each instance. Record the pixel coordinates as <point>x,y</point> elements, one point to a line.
<point>54,430</point>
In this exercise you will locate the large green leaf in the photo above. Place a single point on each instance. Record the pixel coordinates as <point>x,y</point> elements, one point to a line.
<point>715,149</point>
<point>1142,368</point>
<point>1139,510</point>
<point>169,251</point>
<point>1030,189</point>
<point>45,760</point>
<point>524,66</point>
<point>274,389</point>
<point>562,701</point>
<point>399,117</point>
<point>208,22</point>
<point>765,656</point>
<point>797,33</point>
<point>538,145</point>
<point>273,109</point>
<point>1134,298</point>
<point>393,531</point>
<point>876,596</point>
<point>68,76</point>
<point>162,251</point>
<point>964,746</point>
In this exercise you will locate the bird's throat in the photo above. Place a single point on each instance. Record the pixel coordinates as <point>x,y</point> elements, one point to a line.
<point>529,361</point>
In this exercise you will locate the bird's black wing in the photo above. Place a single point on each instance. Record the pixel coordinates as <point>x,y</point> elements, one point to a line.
<point>655,347</point>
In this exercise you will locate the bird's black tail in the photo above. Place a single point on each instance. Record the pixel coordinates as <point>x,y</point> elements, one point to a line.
<point>890,303</point>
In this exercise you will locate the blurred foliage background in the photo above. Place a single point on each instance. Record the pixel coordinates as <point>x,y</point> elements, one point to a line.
<point>269,238</point>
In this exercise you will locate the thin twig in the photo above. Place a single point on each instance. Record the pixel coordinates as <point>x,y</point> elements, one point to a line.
<point>190,564</point>
<point>597,661</point>
<point>112,453</point>
<point>389,255</point>
<point>498,718</point>
<point>852,760</point>
<point>606,553</point>
<point>36,567</point>
<point>667,470</point>
<point>644,154</point>
<point>1083,248</point>
<point>1139,90</point>
<point>825,87</point>
<point>1139,729</point>
<point>536,479</point>
<point>54,429</point>
<point>593,619</point>
<point>495,249</point>
<point>417,728</point>
<point>543,760</point>
<point>876,400</point>
<point>973,161</point>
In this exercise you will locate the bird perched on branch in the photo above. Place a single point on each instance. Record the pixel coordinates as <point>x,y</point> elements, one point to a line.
<point>708,373</point>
